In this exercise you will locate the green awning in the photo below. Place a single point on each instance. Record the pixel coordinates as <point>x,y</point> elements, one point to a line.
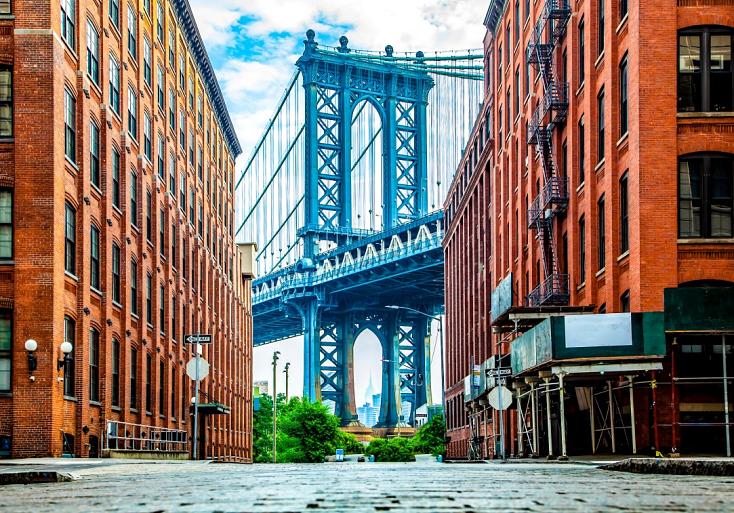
<point>699,309</point>
<point>212,409</point>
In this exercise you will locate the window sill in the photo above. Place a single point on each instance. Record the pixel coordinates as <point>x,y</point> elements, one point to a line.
<point>623,256</point>
<point>6,393</point>
<point>581,286</point>
<point>71,399</point>
<point>622,23</point>
<point>689,115</point>
<point>134,410</point>
<point>117,210</point>
<point>117,304</point>
<point>71,276</point>
<point>116,408</point>
<point>599,165</point>
<point>580,88</point>
<point>8,261</point>
<point>599,60</point>
<point>4,17</point>
<point>71,163</point>
<point>624,139</point>
<point>721,240</point>
<point>96,291</point>
<point>148,413</point>
<point>94,403</point>
<point>601,272</point>
<point>580,187</point>
<point>7,140</point>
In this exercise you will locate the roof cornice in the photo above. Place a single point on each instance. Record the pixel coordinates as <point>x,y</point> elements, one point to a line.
<point>186,21</point>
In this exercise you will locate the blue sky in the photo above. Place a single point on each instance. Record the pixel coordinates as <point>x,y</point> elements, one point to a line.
<point>253,45</point>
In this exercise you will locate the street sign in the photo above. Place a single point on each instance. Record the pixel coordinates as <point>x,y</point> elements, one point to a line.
<point>203,368</point>
<point>498,393</point>
<point>198,338</point>
<point>500,371</point>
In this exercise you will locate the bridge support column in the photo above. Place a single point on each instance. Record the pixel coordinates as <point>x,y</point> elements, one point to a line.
<point>311,350</point>
<point>390,401</point>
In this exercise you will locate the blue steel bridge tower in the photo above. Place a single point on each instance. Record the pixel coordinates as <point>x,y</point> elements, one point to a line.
<point>344,277</point>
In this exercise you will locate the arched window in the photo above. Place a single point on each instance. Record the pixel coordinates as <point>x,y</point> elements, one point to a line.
<point>706,195</point>
<point>705,75</point>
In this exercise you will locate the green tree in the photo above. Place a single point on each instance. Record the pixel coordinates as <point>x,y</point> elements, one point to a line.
<point>393,449</point>
<point>348,442</point>
<point>307,432</point>
<point>431,437</point>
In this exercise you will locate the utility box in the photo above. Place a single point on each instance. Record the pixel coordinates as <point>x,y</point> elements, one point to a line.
<point>247,253</point>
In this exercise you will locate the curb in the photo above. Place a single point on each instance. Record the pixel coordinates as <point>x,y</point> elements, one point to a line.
<point>35,477</point>
<point>673,467</point>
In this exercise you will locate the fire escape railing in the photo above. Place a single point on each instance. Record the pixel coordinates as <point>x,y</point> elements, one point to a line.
<point>552,110</point>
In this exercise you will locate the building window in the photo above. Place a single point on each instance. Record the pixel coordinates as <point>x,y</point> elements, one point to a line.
<point>159,20</point>
<point>174,325</point>
<point>172,109</point>
<point>132,113</point>
<point>6,347</point>
<point>582,151</point>
<point>192,146</point>
<point>200,163</point>
<point>191,94</point>
<point>162,231</point>
<point>705,196</point>
<point>162,388</point>
<point>147,136</point>
<point>161,157</point>
<point>70,240</point>
<point>174,252</point>
<point>132,32</point>
<point>173,391</point>
<point>94,365</point>
<point>115,13</point>
<point>69,125</point>
<point>582,250</point>
<point>69,336</point>
<point>5,7</point>
<point>182,191</point>
<point>600,125</point>
<point>68,17</point>
<point>160,86</point>
<point>6,101</point>
<point>172,175</point>
<point>624,228</point>
<point>115,178</point>
<point>6,223</point>
<point>705,74</point>
<point>94,154</point>
<point>134,287</point>
<point>172,50</point>
<point>147,66</point>
<point>200,110</point>
<point>182,71</point>
<point>602,238</point>
<point>133,378</point>
<point>94,257</point>
<point>600,13</point>
<point>517,21</point>
<point>624,301</point>
<point>623,9</point>
<point>133,199</point>
<point>623,111</point>
<point>148,382</point>
<point>582,51</point>
<point>149,299</point>
<point>182,130</point>
<point>149,216</point>
<point>92,52</point>
<point>162,308</point>
<point>116,273</point>
<point>114,84</point>
<point>115,372</point>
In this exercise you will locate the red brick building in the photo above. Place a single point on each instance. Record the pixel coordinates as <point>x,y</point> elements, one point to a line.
<point>116,182</point>
<point>599,180</point>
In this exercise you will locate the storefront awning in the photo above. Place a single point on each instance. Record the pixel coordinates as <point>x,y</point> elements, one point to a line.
<point>699,310</point>
<point>212,409</point>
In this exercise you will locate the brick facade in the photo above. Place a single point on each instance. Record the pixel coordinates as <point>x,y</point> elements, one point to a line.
<point>498,179</point>
<point>206,286</point>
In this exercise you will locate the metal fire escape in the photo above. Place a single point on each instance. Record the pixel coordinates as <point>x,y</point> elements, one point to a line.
<point>550,111</point>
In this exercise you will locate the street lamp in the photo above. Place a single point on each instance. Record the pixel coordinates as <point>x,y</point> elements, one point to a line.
<point>440,334</point>
<point>276,354</point>
<point>285,371</point>
<point>31,346</point>
<point>66,349</point>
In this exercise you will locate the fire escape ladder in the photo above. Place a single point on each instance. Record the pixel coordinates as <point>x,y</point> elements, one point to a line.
<point>552,110</point>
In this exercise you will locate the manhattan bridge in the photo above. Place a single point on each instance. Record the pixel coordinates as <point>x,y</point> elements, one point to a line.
<point>343,195</point>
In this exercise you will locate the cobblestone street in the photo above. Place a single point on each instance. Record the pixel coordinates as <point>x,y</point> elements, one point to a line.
<point>423,486</point>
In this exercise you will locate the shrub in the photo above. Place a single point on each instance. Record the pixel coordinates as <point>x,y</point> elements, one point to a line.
<point>394,449</point>
<point>430,438</point>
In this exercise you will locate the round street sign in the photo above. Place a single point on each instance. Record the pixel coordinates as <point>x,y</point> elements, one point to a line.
<point>203,368</point>
<point>494,398</point>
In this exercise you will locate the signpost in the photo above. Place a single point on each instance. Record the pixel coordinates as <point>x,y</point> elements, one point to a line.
<point>197,369</point>
<point>495,398</point>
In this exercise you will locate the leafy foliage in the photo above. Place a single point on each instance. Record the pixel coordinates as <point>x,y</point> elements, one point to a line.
<point>348,442</point>
<point>430,437</point>
<point>393,449</point>
<point>307,432</point>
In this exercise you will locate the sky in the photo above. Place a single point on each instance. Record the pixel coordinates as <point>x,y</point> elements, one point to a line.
<point>253,46</point>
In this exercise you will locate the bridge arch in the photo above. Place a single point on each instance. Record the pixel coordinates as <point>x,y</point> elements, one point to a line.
<point>367,164</point>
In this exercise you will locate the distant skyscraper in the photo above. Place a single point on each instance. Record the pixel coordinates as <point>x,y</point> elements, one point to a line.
<point>369,413</point>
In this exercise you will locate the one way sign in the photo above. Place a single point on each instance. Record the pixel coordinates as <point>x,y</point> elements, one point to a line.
<point>199,338</point>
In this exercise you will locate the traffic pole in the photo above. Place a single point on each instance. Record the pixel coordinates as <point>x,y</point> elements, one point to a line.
<point>196,401</point>
<point>502,418</point>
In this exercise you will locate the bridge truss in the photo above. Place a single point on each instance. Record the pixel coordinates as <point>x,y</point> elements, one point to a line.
<point>343,196</point>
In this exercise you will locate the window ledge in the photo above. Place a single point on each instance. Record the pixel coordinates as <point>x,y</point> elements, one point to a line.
<point>581,286</point>
<point>600,272</point>
<point>95,403</point>
<point>623,22</point>
<point>624,139</point>
<point>8,261</point>
<point>580,187</point>
<point>688,115</point>
<point>72,276</point>
<point>6,394</point>
<point>580,88</point>
<point>7,17</point>
<point>134,410</point>
<point>599,60</point>
<point>116,408</point>
<point>722,240</point>
<point>96,291</point>
<point>116,304</point>
<point>71,399</point>
<point>623,256</point>
<point>7,140</point>
<point>599,165</point>
<point>117,210</point>
<point>71,163</point>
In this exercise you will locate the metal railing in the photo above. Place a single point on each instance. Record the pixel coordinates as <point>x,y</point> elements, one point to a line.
<point>125,436</point>
<point>552,291</point>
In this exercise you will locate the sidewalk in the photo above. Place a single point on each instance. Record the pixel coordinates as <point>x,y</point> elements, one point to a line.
<point>56,470</point>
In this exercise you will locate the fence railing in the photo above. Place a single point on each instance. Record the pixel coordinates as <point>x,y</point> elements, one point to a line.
<point>125,436</point>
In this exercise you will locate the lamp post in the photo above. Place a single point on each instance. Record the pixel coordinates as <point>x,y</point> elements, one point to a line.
<point>285,371</point>
<point>440,335</point>
<point>276,354</point>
